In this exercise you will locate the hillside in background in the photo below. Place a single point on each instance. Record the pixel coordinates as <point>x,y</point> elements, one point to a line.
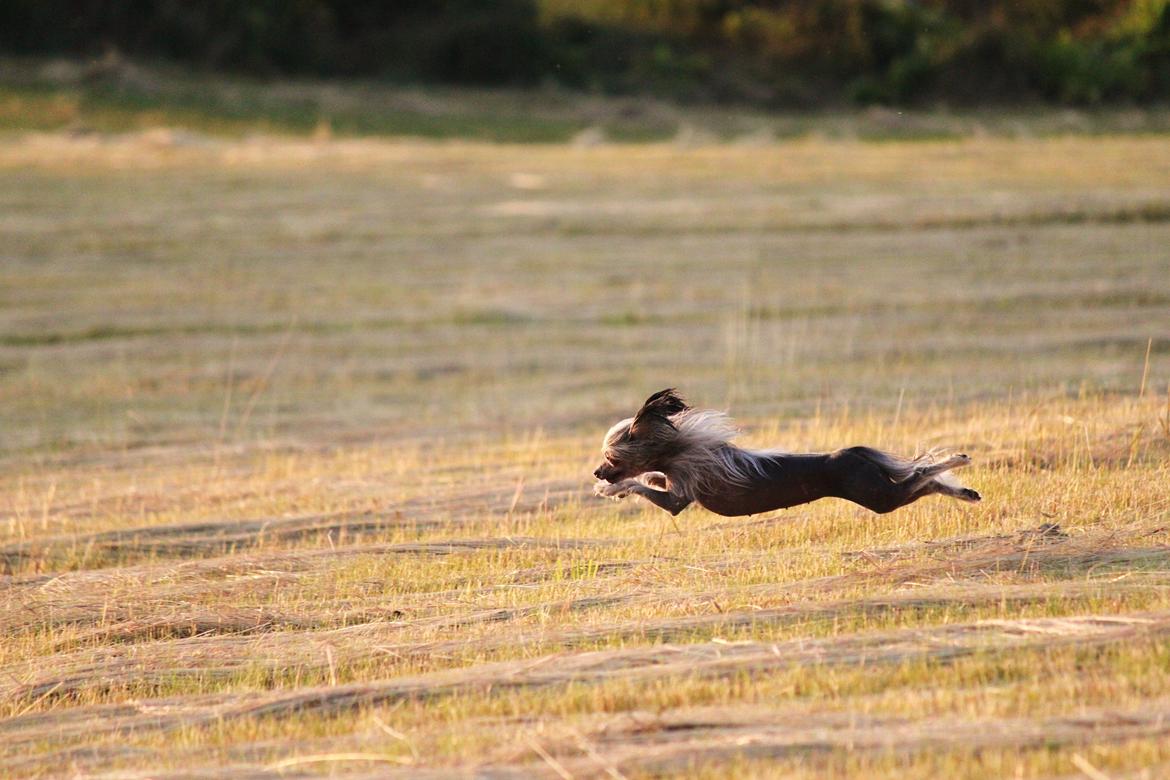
<point>803,53</point>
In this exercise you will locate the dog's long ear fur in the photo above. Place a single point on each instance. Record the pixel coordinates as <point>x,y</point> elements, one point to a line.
<point>657,410</point>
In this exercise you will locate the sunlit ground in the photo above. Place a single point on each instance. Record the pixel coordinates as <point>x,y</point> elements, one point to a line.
<point>297,441</point>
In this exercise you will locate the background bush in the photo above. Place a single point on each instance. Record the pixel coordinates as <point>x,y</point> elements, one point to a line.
<point>766,51</point>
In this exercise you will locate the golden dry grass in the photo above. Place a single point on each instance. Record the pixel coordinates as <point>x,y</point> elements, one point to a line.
<point>297,442</point>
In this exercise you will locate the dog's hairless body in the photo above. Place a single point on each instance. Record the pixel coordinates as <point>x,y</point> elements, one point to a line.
<point>673,456</point>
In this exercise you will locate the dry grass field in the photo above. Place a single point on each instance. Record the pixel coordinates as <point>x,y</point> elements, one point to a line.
<point>297,439</point>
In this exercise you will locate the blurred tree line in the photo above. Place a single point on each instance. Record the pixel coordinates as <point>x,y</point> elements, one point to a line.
<point>777,52</point>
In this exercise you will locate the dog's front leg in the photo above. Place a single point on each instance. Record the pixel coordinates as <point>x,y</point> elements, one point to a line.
<point>671,502</point>
<point>614,490</point>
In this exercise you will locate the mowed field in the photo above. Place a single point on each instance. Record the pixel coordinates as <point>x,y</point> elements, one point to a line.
<point>296,441</point>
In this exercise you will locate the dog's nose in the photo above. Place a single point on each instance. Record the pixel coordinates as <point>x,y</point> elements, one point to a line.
<point>597,472</point>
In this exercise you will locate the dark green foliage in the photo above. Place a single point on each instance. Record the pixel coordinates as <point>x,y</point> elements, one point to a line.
<point>1088,72</point>
<point>763,51</point>
<point>1155,56</point>
<point>444,40</point>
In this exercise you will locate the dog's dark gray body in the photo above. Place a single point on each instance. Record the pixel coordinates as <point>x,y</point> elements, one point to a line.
<point>673,456</point>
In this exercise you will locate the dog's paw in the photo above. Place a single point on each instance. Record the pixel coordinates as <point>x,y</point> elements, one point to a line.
<point>654,479</point>
<point>612,491</point>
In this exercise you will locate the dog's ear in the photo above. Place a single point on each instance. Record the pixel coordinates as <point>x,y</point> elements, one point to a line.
<point>657,410</point>
<point>665,402</point>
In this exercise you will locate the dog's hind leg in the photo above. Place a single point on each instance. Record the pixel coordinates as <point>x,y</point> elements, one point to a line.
<point>863,480</point>
<point>934,475</point>
<point>946,488</point>
<point>953,462</point>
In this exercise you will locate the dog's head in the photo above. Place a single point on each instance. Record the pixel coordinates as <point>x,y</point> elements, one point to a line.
<point>641,443</point>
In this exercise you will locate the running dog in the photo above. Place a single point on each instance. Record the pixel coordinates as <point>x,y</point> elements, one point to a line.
<point>673,455</point>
